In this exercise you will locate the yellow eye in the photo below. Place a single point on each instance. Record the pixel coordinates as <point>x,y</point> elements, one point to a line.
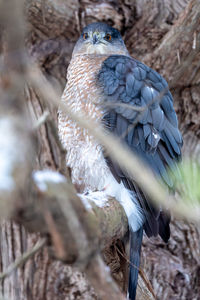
<point>85,36</point>
<point>108,37</point>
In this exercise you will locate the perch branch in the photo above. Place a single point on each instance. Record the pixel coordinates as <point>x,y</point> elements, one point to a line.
<point>60,202</point>
<point>77,234</point>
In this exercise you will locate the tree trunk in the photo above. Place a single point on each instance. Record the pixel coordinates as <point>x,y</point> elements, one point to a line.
<point>165,35</point>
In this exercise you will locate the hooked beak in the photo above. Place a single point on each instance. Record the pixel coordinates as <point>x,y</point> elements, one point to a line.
<point>95,39</point>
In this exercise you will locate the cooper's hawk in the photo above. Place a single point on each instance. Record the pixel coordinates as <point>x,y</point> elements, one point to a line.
<point>101,72</point>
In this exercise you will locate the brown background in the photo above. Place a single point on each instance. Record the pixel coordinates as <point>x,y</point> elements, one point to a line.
<point>161,34</point>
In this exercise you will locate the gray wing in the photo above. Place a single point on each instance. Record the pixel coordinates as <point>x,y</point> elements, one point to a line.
<point>152,134</point>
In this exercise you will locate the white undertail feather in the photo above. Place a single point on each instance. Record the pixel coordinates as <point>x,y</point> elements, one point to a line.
<point>127,199</point>
<point>90,172</point>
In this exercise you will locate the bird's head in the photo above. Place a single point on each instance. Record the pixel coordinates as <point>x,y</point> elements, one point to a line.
<point>99,38</point>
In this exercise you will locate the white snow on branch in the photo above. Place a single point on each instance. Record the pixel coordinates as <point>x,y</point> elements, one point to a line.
<point>11,154</point>
<point>45,177</point>
<point>99,198</point>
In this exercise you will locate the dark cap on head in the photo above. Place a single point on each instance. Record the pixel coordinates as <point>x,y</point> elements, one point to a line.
<point>100,38</point>
<point>102,27</point>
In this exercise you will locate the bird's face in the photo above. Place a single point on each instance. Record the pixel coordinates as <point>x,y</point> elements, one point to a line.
<point>99,38</point>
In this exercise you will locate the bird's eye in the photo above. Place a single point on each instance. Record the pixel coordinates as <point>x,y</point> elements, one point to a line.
<point>85,36</point>
<point>108,37</point>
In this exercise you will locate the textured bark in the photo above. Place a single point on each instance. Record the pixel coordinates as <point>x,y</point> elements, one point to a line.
<point>154,32</point>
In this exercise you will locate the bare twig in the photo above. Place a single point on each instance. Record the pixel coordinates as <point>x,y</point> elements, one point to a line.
<point>178,56</point>
<point>42,119</point>
<point>158,98</point>
<point>64,170</point>
<point>125,105</point>
<point>142,275</point>
<point>55,235</point>
<point>194,44</point>
<point>23,259</point>
<point>121,153</point>
<point>140,109</point>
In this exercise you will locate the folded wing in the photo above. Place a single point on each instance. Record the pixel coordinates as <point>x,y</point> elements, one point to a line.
<point>139,109</point>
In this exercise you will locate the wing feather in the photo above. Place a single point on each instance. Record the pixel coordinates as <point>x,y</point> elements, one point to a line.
<point>152,134</point>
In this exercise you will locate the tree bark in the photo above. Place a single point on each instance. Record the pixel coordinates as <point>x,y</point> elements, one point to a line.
<point>163,34</point>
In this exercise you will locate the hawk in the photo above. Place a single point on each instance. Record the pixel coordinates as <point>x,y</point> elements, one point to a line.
<point>107,84</point>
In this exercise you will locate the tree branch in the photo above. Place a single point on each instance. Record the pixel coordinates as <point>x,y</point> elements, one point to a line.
<point>16,147</point>
<point>102,224</point>
<point>77,233</point>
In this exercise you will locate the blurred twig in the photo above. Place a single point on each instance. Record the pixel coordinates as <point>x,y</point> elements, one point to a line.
<point>146,285</point>
<point>124,157</point>
<point>83,231</point>
<point>23,259</point>
<point>43,118</point>
<point>119,152</point>
<point>16,148</point>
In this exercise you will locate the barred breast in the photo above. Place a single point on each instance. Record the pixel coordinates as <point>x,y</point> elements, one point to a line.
<point>84,154</point>
<point>90,172</point>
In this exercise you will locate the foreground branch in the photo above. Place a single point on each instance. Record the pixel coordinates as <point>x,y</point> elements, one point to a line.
<point>121,153</point>
<point>16,147</point>
<point>78,239</point>
<point>125,158</point>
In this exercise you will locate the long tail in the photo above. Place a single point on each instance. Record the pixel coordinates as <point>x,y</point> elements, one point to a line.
<point>135,248</point>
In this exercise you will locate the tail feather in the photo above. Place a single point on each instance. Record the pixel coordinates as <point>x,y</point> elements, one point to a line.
<point>135,248</point>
